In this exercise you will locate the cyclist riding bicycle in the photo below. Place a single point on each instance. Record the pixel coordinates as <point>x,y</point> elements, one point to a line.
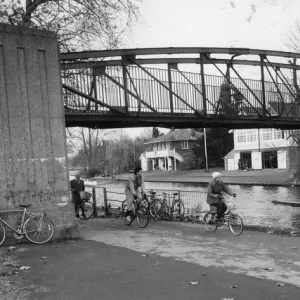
<point>134,187</point>
<point>214,194</point>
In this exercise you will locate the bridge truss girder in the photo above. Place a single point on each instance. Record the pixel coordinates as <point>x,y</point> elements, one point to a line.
<point>274,104</point>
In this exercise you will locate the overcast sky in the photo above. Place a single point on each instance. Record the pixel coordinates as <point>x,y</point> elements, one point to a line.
<point>258,24</point>
<point>261,24</point>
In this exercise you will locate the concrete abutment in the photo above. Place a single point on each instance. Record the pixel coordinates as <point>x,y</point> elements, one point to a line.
<point>33,158</point>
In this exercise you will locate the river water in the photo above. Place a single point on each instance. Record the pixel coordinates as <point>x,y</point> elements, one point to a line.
<point>253,203</point>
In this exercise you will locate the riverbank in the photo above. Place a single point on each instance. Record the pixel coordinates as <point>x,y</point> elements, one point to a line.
<point>257,177</point>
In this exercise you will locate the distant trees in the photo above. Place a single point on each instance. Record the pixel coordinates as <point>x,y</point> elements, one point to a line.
<point>79,24</point>
<point>155,132</point>
<point>106,150</point>
<point>219,142</point>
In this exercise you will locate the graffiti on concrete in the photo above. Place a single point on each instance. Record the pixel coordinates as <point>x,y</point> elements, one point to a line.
<point>28,196</point>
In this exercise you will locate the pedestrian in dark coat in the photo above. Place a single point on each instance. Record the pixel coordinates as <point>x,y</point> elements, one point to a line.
<point>77,186</point>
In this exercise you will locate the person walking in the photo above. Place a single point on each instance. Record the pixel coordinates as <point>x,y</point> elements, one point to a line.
<point>214,194</point>
<point>240,165</point>
<point>134,187</point>
<point>77,186</point>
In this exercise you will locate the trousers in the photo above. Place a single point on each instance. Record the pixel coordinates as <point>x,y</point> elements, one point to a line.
<point>221,208</point>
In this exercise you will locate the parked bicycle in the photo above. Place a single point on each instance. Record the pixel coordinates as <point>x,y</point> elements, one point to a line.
<point>140,209</point>
<point>152,204</point>
<point>169,207</point>
<point>232,220</point>
<point>36,227</point>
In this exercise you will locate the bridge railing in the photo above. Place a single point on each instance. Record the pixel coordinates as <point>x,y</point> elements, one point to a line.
<point>150,91</point>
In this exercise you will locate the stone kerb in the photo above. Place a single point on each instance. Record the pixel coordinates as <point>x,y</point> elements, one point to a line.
<point>33,167</point>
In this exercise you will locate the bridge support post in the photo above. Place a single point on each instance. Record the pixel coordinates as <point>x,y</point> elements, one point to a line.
<point>263,89</point>
<point>124,63</point>
<point>170,67</point>
<point>203,82</point>
<point>33,156</point>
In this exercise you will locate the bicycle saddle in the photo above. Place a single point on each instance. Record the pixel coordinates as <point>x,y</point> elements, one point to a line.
<point>24,205</point>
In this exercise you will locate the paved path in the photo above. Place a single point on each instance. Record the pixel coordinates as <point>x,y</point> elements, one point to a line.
<point>114,261</point>
<point>250,253</point>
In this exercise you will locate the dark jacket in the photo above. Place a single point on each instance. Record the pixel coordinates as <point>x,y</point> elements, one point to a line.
<point>76,187</point>
<point>215,188</point>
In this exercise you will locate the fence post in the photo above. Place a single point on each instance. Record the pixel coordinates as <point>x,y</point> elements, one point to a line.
<point>95,214</point>
<point>106,211</point>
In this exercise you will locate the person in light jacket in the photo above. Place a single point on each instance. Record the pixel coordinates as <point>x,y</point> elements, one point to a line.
<point>214,194</point>
<point>134,187</point>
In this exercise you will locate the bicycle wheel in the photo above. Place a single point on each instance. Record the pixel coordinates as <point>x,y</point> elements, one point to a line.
<point>152,209</point>
<point>177,211</point>
<point>210,223</point>
<point>87,209</point>
<point>38,229</point>
<point>2,233</point>
<point>216,108</point>
<point>239,109</point>
<point>158,208</point>
<point>236,224</point>
<point>143,214</point>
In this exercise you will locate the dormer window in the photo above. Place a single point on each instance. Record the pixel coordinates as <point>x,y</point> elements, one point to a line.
<point>184,144</point>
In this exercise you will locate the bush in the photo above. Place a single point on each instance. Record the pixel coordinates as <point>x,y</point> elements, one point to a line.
<point>90,173</point>
<point>192,162</point>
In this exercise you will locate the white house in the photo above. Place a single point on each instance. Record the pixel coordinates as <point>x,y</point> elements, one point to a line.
<point>261,149</point>
<point>166,151</point>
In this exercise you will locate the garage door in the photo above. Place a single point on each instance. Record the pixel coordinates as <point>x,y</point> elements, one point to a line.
<point>230,164</point>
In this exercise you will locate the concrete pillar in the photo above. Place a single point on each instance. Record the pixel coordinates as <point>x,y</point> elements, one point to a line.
<point>32,124</point>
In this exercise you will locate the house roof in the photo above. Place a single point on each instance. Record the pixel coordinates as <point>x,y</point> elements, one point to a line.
<point>177,135</point>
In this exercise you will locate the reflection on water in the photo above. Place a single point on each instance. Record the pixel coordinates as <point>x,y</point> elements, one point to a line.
<point>253,203</point>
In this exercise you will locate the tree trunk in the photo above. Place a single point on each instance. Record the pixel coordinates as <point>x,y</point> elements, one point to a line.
<point>297,173</point>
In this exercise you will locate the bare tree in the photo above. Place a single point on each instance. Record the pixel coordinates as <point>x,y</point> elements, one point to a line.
<point>79,24</point>
<point>92,142</point>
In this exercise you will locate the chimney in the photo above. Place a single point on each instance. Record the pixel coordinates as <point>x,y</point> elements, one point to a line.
<point>193,132</point>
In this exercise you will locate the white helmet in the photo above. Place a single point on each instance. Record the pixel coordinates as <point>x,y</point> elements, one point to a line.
<point>216,175</point>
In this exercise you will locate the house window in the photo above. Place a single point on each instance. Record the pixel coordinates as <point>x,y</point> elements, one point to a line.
<point>267,134</point>
<point>251,136</point>
<point>184,144</point>
<point>278,134</point>
<point>241,137</point>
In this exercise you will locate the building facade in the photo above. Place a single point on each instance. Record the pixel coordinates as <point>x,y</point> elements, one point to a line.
<point>166,152</point>
<point>258,149</point>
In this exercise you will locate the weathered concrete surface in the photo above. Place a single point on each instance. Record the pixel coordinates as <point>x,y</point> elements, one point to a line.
<point>255,254</point>
<point>32,125</point>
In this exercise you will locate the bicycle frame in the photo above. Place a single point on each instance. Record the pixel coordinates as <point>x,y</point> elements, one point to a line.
<point>19,229</point>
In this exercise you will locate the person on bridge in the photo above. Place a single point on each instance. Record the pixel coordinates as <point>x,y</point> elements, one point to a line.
<point>134,187</point>
<point>77,186</point>
<point>225,97</point>
<point>214,194</point>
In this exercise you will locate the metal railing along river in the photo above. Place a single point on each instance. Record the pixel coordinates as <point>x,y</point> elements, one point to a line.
<point>110,200</point>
